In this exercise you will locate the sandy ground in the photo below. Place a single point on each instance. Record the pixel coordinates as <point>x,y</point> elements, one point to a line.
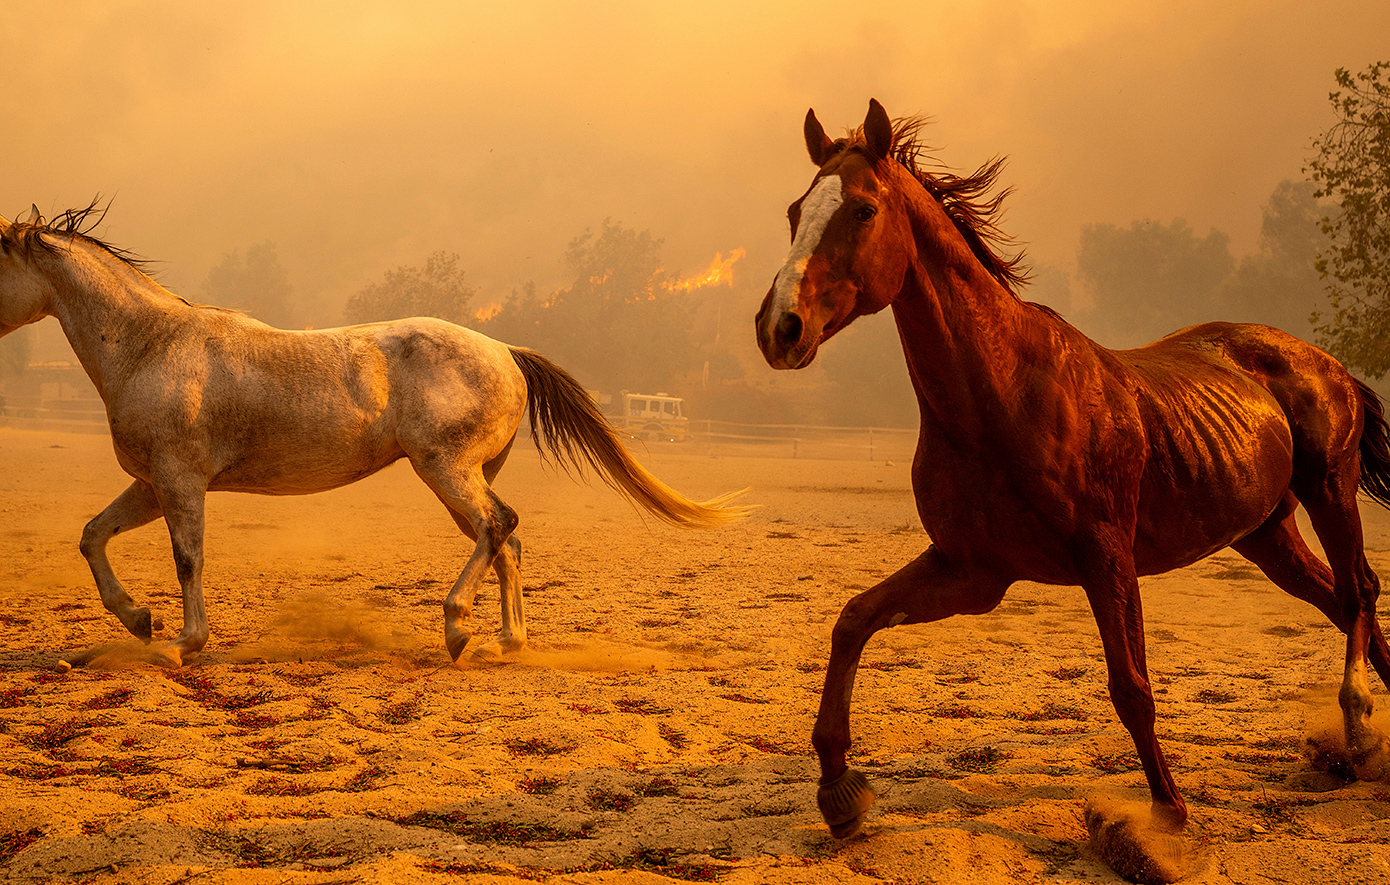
<point>657,728</point>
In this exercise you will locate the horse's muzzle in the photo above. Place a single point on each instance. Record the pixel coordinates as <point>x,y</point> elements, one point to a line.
<point>783,339</point>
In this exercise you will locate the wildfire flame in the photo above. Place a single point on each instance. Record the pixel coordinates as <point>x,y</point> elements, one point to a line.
<point>719,273</point>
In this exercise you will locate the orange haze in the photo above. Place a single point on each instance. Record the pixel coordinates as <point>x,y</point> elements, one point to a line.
<point>358,137</point>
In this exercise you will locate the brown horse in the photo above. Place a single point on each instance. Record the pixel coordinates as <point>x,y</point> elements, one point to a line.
<point>1046,457</point>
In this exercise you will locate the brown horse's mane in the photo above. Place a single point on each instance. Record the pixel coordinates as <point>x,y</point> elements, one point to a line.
<point>26,238</point>
<point>966,199</point>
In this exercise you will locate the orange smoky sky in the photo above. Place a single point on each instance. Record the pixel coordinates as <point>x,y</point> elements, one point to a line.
<point>358,136</point>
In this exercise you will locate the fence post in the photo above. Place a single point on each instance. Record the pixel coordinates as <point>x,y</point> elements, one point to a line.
<point>709,440</point>
<point>794,444</point>
<point>871,444</point>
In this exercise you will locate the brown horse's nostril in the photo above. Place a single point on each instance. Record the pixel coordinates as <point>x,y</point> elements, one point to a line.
<point>789,331</point>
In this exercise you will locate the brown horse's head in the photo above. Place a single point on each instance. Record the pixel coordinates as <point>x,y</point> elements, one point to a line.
<point>850,248</point>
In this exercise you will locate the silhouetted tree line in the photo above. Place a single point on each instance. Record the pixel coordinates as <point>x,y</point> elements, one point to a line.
<point>15,351</point>
<point>1320,269</point>
<point>435,290</point>
<point>619,324</point>
<point>622,323</point>
<point>254,282</point>
<point>1142,282</point>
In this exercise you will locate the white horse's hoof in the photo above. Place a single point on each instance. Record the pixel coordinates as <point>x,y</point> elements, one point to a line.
<point>456,644</point>
<point>491,653</point>
<point>168,656</point>
<point>496,651</point>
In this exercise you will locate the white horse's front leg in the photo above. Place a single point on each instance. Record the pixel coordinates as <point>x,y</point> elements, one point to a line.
<point>134,507</point>
<point>183,506</point>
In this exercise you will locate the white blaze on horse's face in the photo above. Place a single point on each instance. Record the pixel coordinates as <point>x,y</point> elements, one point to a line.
<point>780,323</point>
<point>820,204</point>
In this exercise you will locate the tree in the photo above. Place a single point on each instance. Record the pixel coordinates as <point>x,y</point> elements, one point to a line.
<point>620,324</point>
<point>15,350</point>
<point>435,290</point>
<point>1150,279</point>
<point>1051,285</point>
<point>1279,285</point>
<point>254,283</point>
<point>1352,167</point>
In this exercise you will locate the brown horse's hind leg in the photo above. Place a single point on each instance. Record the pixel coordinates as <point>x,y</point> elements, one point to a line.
<point>926,589</point>
<point>1277,547</point>
<point>134,507</point>
<point>1332,508</point>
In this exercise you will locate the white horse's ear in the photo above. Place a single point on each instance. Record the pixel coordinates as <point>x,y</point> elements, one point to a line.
<point>818,144</point>
<point>35,217</point>
<point>878,131</point>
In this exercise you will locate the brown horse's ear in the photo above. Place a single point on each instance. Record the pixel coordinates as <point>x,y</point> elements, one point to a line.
<point>818,144</point>
<point>878,131</point>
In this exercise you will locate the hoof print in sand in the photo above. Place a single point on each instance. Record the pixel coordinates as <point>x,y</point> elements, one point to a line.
<point>1328,752</point>
<point>1132,846</point>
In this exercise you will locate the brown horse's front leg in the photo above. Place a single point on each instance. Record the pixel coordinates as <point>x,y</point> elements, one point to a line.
<point>1114,599</point>
<point>926,589</point>
<point>1142,848</point>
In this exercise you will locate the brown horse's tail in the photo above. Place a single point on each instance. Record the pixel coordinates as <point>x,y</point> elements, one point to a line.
<point>566,419</point>
<point>1375,446</point>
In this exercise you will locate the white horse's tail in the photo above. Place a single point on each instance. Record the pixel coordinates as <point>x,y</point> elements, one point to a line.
<point>565,418</point>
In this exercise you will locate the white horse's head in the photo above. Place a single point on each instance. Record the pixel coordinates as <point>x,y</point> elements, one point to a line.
<point>26,294</point>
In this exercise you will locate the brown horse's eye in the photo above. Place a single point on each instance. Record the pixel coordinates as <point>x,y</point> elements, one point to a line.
<point>865,214</point>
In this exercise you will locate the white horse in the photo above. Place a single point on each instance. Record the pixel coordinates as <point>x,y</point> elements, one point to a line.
<point>206,399</point>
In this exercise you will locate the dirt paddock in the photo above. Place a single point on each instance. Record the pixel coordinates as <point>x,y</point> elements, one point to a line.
<point>658,726</point>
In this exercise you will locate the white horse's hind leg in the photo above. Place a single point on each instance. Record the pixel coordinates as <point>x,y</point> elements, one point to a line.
<point>508,567</point>
<point>482,516</point>
<point>134,507</point>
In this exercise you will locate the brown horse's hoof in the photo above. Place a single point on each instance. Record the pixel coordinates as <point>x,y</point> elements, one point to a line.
<point>843,802</point>
<point>1327,751</point>
<point>1134,844</point>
